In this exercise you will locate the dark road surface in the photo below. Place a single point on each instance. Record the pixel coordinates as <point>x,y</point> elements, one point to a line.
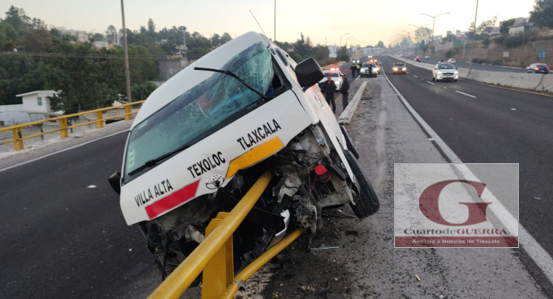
<point>484,124</point>
<point>61,239</point>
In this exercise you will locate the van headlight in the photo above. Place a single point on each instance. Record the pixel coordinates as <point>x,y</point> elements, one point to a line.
<point>395,69</point>
<point>404,68</point>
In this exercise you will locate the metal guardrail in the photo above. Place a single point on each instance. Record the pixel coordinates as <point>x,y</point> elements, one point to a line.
<point>63,124</point>
<point>214,256</point>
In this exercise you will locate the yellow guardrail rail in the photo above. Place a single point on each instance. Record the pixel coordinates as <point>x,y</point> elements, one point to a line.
<point>214,256</point>
<point>63,124</point>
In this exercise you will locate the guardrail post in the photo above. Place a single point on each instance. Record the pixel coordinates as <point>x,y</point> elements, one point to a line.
<point>63,128</point>
<point>219,272</point>
<point>17,141</point>
<point>128,111</point>
<point>99,119</point>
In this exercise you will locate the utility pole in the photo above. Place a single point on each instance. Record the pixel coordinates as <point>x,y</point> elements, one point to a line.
<point>127,74</point>
<point>474,35</point>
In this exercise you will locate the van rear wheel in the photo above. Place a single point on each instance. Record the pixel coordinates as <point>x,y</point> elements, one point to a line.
<point>367,202</point>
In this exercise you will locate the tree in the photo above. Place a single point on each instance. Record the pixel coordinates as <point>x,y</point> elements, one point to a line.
<point>55,32</point>
<point>225,38</point>
<point>504,29</point>
<point>542,15</point>
<point>423,33</point>
<point>35,41</point>
<point>98,37</point>
<point>215,39</point>
<point>380,44</point>
<point>142,91</point>
<point>151,26</point>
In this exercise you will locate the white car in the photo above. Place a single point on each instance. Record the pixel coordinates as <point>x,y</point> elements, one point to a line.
<point>335,75</point>
<point>452,61</point>
<point>445,71</point>
<point>426,57</point>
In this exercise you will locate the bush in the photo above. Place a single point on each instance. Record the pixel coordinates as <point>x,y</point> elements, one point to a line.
<point>499,40</point>
<point>486,42</point>
<point>513,41</point>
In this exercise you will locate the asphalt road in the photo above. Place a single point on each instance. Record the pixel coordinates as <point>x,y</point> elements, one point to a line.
<point>485,124</point>
<point>62,239</point>
<point>476,66</point>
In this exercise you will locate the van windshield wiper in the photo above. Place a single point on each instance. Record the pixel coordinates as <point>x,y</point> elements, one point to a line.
<point>155,161</point>
<point>230,73</point>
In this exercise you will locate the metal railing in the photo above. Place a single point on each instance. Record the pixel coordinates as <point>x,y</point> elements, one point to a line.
<point>214,256</point>
<point>64,126</point>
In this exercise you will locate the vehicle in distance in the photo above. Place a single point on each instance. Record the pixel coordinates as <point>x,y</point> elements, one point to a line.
<point>365,70</point>
<point>418,59</point>
<point>189,154</point>
<point>452,61</point>
<point>336,76</point>
<point>445,71</point>
<point>538,68</point>
<point>399,68</point>
<point>426,57</point>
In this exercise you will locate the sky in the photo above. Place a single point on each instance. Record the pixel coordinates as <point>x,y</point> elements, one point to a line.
<point>324,21</point>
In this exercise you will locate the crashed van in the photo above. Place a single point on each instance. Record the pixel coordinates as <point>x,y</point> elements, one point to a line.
<point>202,139</point>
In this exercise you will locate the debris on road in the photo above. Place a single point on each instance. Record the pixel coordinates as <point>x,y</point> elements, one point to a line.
<point>418,278</point>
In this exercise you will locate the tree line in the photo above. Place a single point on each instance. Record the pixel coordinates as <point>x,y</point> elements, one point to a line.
<point>35,57</point>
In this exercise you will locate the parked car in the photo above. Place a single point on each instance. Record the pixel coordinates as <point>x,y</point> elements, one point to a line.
<point>335,75</point>
<point>399,68</point>
<point>365,70</point>
<point>452,61</point>
<point>538,68</point>
<point>445,71</point>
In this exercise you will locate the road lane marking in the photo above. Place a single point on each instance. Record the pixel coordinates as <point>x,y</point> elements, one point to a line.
<point>430,82</point>
<point>534,250</point>
<point>466,94</point>
<point>61,151</point>
<point>514,109</point>
<point>415,76</point>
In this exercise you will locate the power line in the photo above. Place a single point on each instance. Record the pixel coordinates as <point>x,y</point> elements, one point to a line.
<point>92,56</point>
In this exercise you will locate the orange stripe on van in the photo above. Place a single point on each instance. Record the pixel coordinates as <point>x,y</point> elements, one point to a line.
<point>255,155</point>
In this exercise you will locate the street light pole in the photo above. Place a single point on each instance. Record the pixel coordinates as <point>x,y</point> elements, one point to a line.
<point>127,74</point>
<point>341,38</point>
<point>474,34</point>
<point>434,23</point>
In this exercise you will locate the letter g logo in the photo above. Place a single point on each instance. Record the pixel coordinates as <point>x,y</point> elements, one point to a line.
<point>429,203</point>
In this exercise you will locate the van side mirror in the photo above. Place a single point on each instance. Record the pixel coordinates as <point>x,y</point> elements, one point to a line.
<point>115,182</point>
<point>309,73</point>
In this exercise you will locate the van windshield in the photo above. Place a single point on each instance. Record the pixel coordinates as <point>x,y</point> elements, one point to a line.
<point>202,109</point>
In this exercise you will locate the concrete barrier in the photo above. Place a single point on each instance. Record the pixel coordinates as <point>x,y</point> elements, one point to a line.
<point>546,84</point>
<point>347,114</point>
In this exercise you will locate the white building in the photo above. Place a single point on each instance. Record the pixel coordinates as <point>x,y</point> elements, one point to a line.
<point>82,36</point>
<point>100,44</point>
<point>520,28</point>
<point>333,51</point>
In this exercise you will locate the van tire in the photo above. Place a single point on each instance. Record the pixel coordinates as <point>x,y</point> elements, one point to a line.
<point>367,202</point>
